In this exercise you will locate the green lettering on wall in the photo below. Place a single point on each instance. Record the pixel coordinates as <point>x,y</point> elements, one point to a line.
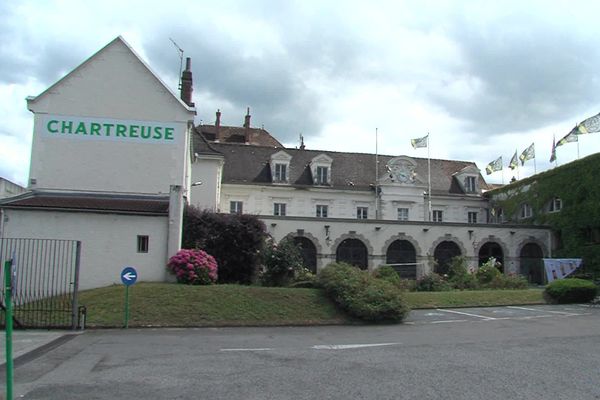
<point>146,131</point>
<point>168,133</point>
<point>108,127</point>
<point>133,131</point>
<point>81,129</point>
<point>121,129</point>
<point>66,126</point>
<point>157,132</point>
<point>52,126</point>
<point>95,128</point>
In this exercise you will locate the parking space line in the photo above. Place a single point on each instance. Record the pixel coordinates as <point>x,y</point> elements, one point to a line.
<point>448,321</point>
<point>542,310</point>
<point>467,314</point>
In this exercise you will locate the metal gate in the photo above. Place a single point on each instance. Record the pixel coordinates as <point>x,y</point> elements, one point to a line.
<point>45,282</point>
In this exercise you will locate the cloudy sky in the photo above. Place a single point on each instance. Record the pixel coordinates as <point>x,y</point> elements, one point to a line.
<point>483,78</point>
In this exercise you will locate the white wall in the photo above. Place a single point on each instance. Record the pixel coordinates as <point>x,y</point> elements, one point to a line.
<point>377,236</point>
<point>9,189</point>
<point>206,169</point>
<point>113,86</point>
<point>109,241</point>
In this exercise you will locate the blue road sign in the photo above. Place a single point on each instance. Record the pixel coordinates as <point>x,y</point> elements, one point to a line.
<point>129,276</point>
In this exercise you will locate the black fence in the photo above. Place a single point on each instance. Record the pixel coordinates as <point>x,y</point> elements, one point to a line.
<point>45,282</point>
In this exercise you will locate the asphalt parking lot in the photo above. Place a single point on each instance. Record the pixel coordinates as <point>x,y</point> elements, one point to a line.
<point>483,314</point>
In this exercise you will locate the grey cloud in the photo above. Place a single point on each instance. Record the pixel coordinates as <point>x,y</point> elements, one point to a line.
<point>530,76</point>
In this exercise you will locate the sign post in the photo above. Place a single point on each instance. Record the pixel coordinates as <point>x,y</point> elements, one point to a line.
<point>8,273</point>
<point>128,277</point>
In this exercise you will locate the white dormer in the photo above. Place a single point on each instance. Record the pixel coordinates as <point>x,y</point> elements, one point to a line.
<point>280,167</point>
<point>320,168</point>
<point>468,179</point>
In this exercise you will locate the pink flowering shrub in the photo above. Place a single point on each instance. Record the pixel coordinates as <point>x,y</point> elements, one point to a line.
<point>194,267</point>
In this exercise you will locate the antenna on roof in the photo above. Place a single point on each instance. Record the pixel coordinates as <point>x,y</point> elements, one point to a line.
<point>180,51</point>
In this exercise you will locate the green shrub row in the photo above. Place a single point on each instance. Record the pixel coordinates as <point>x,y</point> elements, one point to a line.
<point>570,290</point>
<point>361,295</point>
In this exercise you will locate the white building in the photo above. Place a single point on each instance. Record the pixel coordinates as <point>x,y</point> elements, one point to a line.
<point>115,154</point>
<point>9,189</point>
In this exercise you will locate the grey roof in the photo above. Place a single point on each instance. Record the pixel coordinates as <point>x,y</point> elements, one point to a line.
<point>236,134</point>
<point>247,164</point>
<point>93,202</point>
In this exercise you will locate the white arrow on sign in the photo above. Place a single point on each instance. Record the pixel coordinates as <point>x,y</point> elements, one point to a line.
<point>129,276</point>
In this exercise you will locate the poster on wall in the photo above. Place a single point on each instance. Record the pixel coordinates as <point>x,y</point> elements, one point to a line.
<point>559,268</point>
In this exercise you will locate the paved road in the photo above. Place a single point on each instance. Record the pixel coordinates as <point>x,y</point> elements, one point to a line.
<point>541,352</point>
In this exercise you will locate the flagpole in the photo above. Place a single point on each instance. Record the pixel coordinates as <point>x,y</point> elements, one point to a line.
<point>429,175</point>
<point>376,177</point>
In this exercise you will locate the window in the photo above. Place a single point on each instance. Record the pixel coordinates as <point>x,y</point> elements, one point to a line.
<point>280,173</point>
<point>472,217</point>
<point>403,214</point>
<point>526,211</point>
<point>437,216</point>
<point>279,209</point>
<point>142,243</point>
<point>555,205</point>
<point>321,178</point>
<point>321,211</point>
<point>470,184</point>
<point>235,207</point>
<point>362,212</point>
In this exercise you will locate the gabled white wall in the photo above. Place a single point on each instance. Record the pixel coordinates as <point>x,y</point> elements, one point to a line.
<point>113,87</point>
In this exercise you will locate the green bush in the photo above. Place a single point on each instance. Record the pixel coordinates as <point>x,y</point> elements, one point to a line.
<point>508,282</point>
<point>432,283</point>
<point>234,240</point>
<point>389,274</point>
<point>361,295</point>
<point>488,271</point>
<point>570,291</point>
<point>282,262</point>
<point>304,279</point>
<point>458,275</point>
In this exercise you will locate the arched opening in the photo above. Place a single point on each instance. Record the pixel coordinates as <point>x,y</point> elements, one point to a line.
<point>532,265</point>
<point>444,252</point>
<point>353,252</point>
<point>309,252</point>
<point>403,254</point>
<point>491,249</point>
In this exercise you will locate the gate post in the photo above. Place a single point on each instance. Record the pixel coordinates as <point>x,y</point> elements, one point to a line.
<point>75,304</point>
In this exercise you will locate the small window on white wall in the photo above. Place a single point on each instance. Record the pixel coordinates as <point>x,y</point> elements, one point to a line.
<point>403,214</point>
<point>438,216</point>
<point>142,243</point>
<point>236,207</point>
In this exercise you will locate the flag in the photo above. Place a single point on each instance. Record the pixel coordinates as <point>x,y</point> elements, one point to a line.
<point>420,142</point>
<point>590,125</point>
<point>527,154</point>
<point>553,155</point>
<point>514,161</point>
<point>569,138</point>
<point>494,166</point>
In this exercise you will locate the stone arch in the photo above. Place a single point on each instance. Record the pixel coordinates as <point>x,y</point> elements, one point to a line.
<point>309,236</point>
<point>492,247</point>
<point>353,249</point>
<point>529,240</point>
<point>402,236</point>
<point>403,252</point>
<point>446,254</point>
<point>531,264</point>
<point>353,235</point>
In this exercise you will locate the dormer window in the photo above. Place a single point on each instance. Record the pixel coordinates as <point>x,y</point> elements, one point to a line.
<point>320,168</point>
<point>280,173</point>
<point>470,184</point>
<point>321,178</point>
<point>280,167</point>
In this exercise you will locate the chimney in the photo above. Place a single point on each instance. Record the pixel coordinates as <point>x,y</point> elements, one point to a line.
<point>247,126</point>
<point>186,83</point>
<point>218,127</point>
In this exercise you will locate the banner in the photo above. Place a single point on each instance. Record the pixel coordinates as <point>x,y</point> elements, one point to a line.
<point>558,268</point>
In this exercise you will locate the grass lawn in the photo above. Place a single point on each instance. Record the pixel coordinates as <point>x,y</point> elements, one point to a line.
<point>474,298</point>
<point>170,304</point>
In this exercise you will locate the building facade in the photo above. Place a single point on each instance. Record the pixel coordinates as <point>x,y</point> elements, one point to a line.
<point>116,155</point>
